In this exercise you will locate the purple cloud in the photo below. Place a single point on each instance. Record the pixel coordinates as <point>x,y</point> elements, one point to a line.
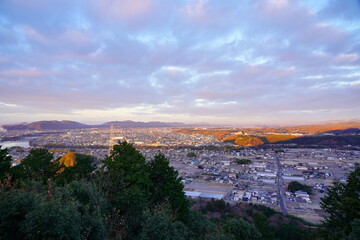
<point>263,61</point>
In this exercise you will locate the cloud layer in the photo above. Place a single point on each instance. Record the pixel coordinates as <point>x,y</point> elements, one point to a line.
<point>263,61</point>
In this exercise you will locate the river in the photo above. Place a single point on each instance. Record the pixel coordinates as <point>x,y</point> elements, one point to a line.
<point>23,142</point>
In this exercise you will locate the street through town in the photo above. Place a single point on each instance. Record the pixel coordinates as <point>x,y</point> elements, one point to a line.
<point>280,186</point>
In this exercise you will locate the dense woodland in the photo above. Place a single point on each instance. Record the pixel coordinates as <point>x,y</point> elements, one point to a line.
<point>130,198</point>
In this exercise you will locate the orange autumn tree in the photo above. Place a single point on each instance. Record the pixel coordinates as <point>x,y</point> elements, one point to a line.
<point>68,160</point>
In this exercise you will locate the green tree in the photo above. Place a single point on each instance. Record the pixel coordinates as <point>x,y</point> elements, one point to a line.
<point>295,186</point>
<point>342,203</point>
<point>75,211</point>
<point>14,206</point>
<point>38,165</point>
<point>166,186</point>
<point>84,165</point>
<point>263,225</point>
<point>53,220</point>
<point>126,167</point>
<point>130,185</point>
<point>237,228</point>
<point>91,205</point>
<point>87,194</point>
<point>243,161</point>
<point>132,204</point>
<point>215,205</point>
<point>201,228</point>
<point>5,162</point>
<point>291,231</point>
<point>161,224</point>
<point>355,231</point>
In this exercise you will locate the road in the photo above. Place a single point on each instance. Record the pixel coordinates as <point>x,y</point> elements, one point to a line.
<point>280,186</point>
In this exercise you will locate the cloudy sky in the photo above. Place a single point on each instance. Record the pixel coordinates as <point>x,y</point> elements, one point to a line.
<point>231,61</point>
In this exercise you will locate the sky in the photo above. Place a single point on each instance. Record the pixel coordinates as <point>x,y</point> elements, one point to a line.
<point>229,61</point>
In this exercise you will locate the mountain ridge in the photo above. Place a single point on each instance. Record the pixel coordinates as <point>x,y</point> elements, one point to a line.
<point>67,124</point>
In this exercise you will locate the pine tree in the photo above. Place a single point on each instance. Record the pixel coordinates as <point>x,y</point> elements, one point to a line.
<point>166,186</point>
<point>342,203</point>
<point>5,162</point>
<point>38,165</point>
<point>127,167</point>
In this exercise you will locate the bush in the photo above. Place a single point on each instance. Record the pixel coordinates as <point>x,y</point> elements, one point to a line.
<point>240,229</point>
<point>295,186</point>
<point>71,212</point>
<point>191,155</point>
<point>14,206</point>
<point>243,161</point>
<point>53,220</point>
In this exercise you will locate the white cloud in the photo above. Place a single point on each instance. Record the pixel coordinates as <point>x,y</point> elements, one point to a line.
<point>7,104</point>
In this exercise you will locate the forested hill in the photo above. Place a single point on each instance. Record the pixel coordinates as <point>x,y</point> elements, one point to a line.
<point>325,141</point>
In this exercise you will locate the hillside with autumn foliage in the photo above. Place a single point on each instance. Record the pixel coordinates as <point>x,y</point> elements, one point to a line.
<point>291,134</point>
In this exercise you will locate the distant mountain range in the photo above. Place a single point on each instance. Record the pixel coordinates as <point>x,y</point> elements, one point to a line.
<point>65,124</point>
<point>46,125</point>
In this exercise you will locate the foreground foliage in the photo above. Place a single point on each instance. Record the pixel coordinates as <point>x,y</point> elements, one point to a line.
<point>130,198</point>
<point>72,212</point>
<point>342,203</point>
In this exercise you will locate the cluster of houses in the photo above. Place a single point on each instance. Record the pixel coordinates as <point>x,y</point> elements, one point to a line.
<point>254,196</point>
<point>298,196</point>
<point>320,187</point>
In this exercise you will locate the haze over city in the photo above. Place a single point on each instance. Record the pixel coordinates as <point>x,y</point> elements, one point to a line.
<point>233,62</point>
